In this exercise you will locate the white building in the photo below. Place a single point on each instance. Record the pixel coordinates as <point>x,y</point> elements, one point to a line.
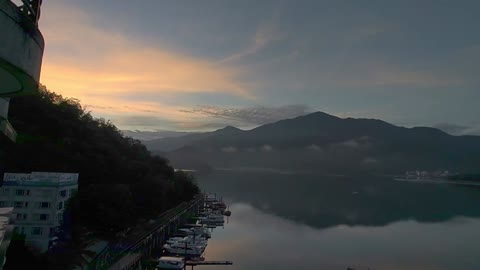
<point>38,199</point>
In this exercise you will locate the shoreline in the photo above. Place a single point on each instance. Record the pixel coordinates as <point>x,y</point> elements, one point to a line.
<point>438,181</point>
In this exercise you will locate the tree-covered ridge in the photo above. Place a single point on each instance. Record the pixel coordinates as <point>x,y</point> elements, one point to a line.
<point>120,182</point>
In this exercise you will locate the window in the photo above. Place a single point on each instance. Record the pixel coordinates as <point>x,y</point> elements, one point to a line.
<point>63,193</point>
<point>43,205</point>
<point>40,217</point>
<point>19,230</point>
<point>52,231</point>
<point>60,206</point>
<point>22,192</point>
<point>60,217</point>
<point>21,216</point>
<point>37,231</point>
<point>3,204</point>
<point>18,205</point>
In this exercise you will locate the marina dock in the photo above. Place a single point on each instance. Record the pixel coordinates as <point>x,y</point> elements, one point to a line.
<point>143,242</point>
<point>196,263</point>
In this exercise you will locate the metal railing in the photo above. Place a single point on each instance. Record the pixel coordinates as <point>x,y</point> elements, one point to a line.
<point>166,218</point>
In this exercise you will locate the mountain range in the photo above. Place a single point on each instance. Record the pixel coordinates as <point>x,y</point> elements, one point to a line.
<point>323,142</point>
<point>152,135</point>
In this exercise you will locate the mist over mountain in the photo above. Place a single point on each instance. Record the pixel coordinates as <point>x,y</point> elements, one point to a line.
<point>455,129</point>
<point>323,142</point>
<point>152,135</point>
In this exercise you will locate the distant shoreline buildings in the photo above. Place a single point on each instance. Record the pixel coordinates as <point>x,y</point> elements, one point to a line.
<point>427,174</point>
<point>38,200</point>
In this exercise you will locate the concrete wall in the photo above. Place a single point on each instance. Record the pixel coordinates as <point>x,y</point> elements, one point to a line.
<point>4,102</point>
<point>25,44</point>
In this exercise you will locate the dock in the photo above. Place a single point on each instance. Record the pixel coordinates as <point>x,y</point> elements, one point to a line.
<point>124,253</point>
<point>131,249</point>
<point>196,263</point>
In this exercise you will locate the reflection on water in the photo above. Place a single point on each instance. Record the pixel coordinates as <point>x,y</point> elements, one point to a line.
<point>305,223</point>
<point>254,239</point>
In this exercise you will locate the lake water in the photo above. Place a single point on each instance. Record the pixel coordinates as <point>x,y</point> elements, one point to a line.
<point>307,221</point>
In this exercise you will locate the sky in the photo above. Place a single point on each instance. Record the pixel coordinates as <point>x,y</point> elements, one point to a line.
<point>201,65</point>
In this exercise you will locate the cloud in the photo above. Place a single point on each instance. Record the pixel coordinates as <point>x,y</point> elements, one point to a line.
<point>351,143</point>
<point>140,121</point>
<point>360,143</point>
<point>101,66</point>
<point>455,129</point>
<point>229,149</point>
<point>151,135</point>
<point>257,115</point>
<point>314,147</point>
<point>371,71</point>
<point>265,34</point>
<point>200,125</point>
<point>267,148</point>
<point>369,160</point>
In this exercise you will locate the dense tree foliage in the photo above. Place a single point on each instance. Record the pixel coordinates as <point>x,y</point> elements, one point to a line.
<point>120,182</point>
<point>20,257</point>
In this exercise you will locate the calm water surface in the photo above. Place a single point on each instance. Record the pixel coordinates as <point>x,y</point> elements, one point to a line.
<point>282,221</point>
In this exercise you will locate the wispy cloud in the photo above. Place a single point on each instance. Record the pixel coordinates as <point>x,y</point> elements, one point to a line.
<point>82,59</point>
<point>258,115</point>
<point>265,34</point>
<point>455,129</point>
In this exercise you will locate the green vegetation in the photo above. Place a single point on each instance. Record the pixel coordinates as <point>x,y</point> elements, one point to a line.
<point>120,181</point>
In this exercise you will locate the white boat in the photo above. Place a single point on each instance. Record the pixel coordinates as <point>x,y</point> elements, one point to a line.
<point>212,219</point>
<point>201,231</point>
<point>179,249</point>
<point>167,262</point>
<point>188,240</point>
<point>218,205</point>
<point>210,198</point>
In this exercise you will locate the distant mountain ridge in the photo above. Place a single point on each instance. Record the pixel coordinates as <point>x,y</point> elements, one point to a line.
<point>323,141</point>
<point>152,135</point>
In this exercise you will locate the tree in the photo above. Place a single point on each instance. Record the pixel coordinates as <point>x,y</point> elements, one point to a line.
<point>120,181</point>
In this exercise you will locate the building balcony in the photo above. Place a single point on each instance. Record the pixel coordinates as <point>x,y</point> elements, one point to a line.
<point>21,53</point>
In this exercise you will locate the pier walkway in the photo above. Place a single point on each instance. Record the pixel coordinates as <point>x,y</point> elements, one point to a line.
<point>196,263</point>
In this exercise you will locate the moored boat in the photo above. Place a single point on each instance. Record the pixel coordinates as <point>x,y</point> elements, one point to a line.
<point>188,240</point>
<point>169,262</point>
<point>184,250</point>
